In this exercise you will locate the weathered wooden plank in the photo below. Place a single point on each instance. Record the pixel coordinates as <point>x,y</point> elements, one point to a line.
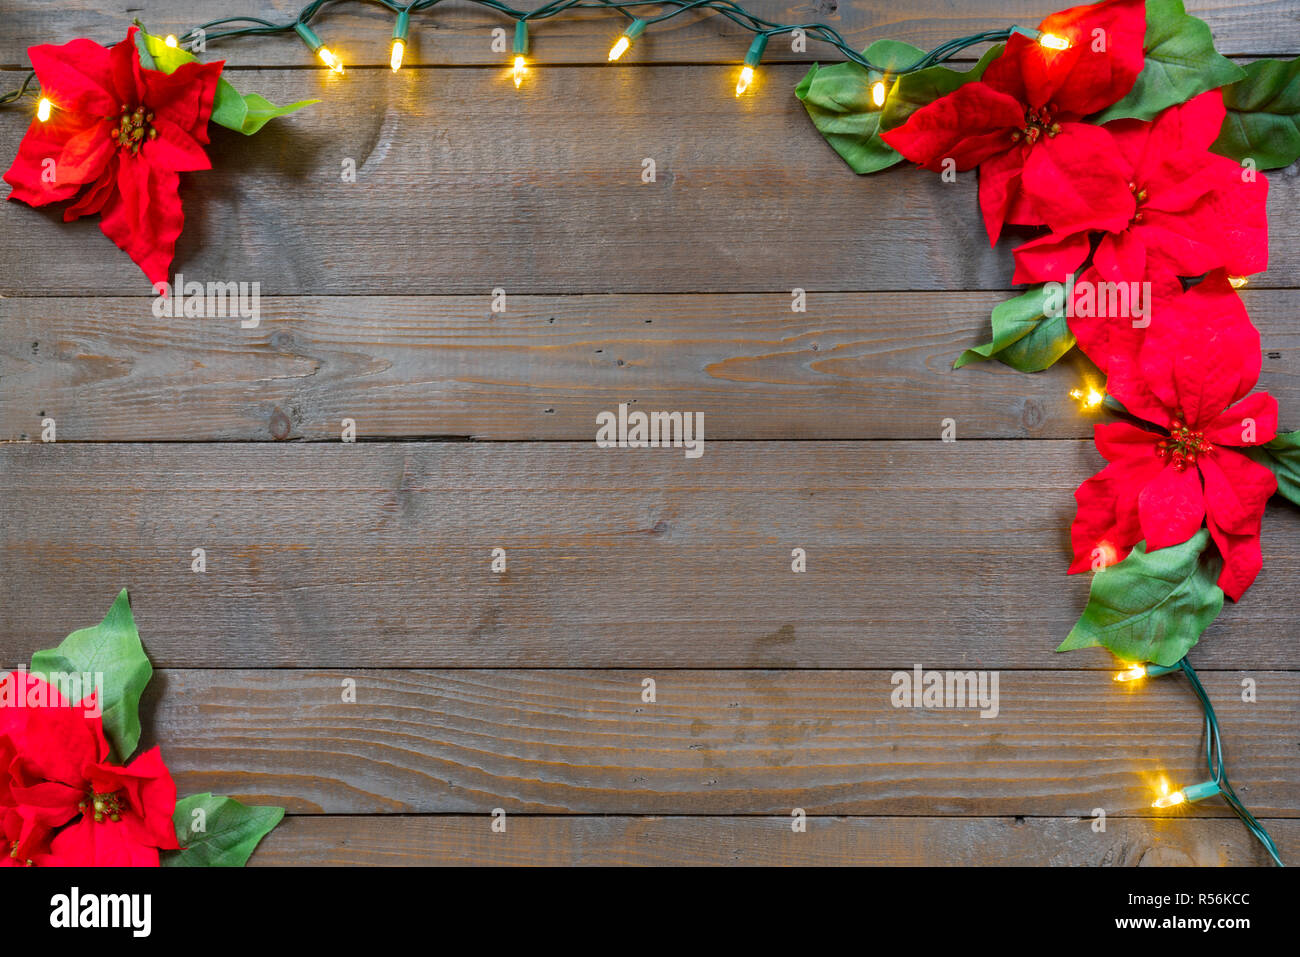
<point>870,366</point>
<point>713,742</point>
<point>379,554</point>
<point>456,33</point>
<point>606,841</point>
<point>540,192</point>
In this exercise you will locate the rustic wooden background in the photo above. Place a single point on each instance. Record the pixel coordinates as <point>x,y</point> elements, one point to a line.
<point>522,691</point>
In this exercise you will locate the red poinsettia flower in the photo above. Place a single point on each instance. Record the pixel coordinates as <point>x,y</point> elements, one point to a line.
<point>1190,211</point>
<point>54,773</point>
<point>1191,381</point>
<point>121,133</point>
<point>1020,123</point>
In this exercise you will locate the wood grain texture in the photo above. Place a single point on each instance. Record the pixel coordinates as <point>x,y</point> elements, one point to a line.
<point>379,554</point>
<point>607,841</point>
<point>539,191</point>
<point>864,366</point>
<point>714,742</point>
<point>457,34</point>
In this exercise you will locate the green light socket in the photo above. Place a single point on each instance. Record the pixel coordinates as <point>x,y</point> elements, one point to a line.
<point>756,50</point>
<point>1199,792</point>
<point>403,26</point>
<point>309,37</point>
<point>521,38</point>
<point>634,29</point>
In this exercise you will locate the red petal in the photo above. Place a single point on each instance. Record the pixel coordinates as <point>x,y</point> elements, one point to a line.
<point>175,149</point>
<point>94,198</point>
<point>1000,189</point>
<point>144,216</point>
<point>1125,443</point>
<point>1172,507</point>
<point>1236,490</point>
<point>39,150</point>
<point>1122,257</point>
<point>184,97</point>
<point>1242,559</point>
<point>76,77</point>
<point>125,70</point>
<point>1257,412</point>
<point>1201,352</point>
<point>967,126</point>
<point>1050,258</point>
<point>1078,180</point>
<point>1084,79</point>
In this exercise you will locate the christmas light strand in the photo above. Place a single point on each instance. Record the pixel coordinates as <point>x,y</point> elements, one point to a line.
<point>763,30</point>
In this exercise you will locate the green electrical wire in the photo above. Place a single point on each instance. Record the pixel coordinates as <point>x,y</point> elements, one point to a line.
<point>250,26</point>
<point>1218,772</point>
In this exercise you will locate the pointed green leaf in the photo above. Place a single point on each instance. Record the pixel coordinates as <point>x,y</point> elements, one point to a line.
<point>244,113</point>
<point>1263,121</point>
<point>1282,455</point>
<point>1181,63</point>
<point>1152,606</point>
<point>838,100</point>
<point>110,650</point>
<point>1030,332</point>
<point>259,111</point>
<point>217,831</point>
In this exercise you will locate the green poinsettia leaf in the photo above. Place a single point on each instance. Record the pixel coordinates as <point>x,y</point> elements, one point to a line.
<point>218,831</point>
<point>1282,455</point>
<point>243,112</point>
<point>839,100</point>
<point>1181,63</point>
<point>915,90</point>
<point>1030,332</point>
<point>1152,606</point>
<point>1263,121</point>
<point>111,653</point>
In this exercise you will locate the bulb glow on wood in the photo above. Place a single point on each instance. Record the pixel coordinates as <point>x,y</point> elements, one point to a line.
<point>1135,673</point>
<point>518,70</point>
<point>1238,281</point>
<point>1168,798</point>
<point>330,60</point>
<point>43,109</point>
<point>619,48</point>
<point>1088,397</point>
<point>395,57</point>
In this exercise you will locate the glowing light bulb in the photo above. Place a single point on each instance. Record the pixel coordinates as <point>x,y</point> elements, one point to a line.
<point>752,56</point>
<point>1053,42</point>
<point>330,60</point>
<point>519,69</point>
<point>1135,673</point>
<point>400,31</point>
<point>1193,792</point>
<point>1238,281</point>
<point>1088,398</point>
<point>746,78</point>
<point>634,30</point>
<point>43,109</point>
<point>171,41</point>
<point>1169,799</point>
<point>878,93</point>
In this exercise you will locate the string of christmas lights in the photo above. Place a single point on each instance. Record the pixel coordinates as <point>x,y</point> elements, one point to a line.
<point>762,29</point>
<point>644,14</point>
